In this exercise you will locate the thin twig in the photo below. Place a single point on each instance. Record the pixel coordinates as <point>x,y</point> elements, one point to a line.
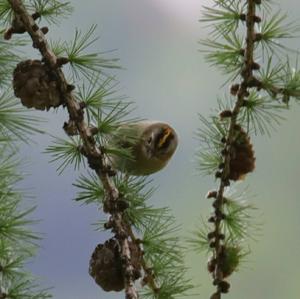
<point>247,74</point>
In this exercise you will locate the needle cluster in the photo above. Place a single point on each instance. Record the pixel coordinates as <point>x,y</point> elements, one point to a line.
<point>245,44</point>
<point>18,241</point>
<point>144,242</point>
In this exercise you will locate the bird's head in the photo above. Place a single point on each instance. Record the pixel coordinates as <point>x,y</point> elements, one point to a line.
<point>159,141</point>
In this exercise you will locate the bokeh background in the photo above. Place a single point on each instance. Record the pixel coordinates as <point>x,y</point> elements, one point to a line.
<point>167,77</point>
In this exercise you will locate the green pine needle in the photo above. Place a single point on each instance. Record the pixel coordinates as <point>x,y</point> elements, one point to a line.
<point>13,224</point>
<point>87,64</point>
<point>136,192</point>
<point>11,265</point>
<point>18,242</point>
<point>172,286</point>
<point>238,223</point>
<point>108,122</point>
<point>91,190</point>
<point>163,253</point>
<point>291,81</point>
<point>209,135</point>
<point>198,241</point>
<point>8,59</point>
<point>274,29</point>
<point>266,5</point>
<point>25,288</point>
<point>6,13</point>
<point>261,113</point>
<point>99,94</point>
<point>281,81</point>
<point>66,151</point>
<point>175,285</point>
<point>211,131</point>
<point>52,10</point>
<point>159,238</point>
<point>224,16</point>
<point>269,75</point>
<point>58,47</point>
<point>225,55</point>
<point>15,120</point>
<point>8,164</point>
<point>208,161</point>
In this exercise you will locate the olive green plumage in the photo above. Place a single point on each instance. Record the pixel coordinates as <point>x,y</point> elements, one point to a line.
<point>151,145</point>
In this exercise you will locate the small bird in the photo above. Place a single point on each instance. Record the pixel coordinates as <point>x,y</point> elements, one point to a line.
<point>151,145</point>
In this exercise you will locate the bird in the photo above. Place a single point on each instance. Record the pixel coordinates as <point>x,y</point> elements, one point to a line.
<point>151,144</point>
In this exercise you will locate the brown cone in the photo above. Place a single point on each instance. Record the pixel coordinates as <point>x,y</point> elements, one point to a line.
<point>242,160</point>
<point>230,260</point>
<point>33,84</point>
<point>106,265</point>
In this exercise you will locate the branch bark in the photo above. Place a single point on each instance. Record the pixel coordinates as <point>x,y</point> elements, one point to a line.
<point>92,152</point>
<point>247,75</point>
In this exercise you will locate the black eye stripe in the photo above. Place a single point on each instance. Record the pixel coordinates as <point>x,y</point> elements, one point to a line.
<point>166,142</point>
<point>158,138</point>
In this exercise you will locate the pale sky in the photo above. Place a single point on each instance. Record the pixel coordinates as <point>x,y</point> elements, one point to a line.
<point>165,74</point>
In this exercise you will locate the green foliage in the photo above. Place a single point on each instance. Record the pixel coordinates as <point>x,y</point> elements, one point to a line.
<point>136,192</point>
<point>199,241</point>
<point>163,253</point>
<point>105,111</point>
<point>57,47</point>
<point>6,14</point>
<point>66,151</point>
<point>260,113</point>
<point>239,223</point>
<point>226,55</point>
<point>156,227</point>
<point>24,288</point>
<point>8,58</point>
<point>109,122</point>
<point>18,242</point>
<point>270,75</point>
<point>87,64</point>
<point>159,237</point>
<point>110,115</point>
<point>256,103</point>
<point>237,227</point>
<point>274,29</point>
<point>224,16</point>
<point>52,11</point>
<point>90,189</point>
<point>15,121</point>
<point>281,81</point>
<point>173,284</point>
<point>114,131</point>
<point>291,81</point>
<point>210,135</point>
<point>99,94</point>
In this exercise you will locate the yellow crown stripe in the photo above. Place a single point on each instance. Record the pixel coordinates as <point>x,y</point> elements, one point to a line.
<point>167,133</point>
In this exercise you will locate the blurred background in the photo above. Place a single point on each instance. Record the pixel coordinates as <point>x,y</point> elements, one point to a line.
<point>167,77</point>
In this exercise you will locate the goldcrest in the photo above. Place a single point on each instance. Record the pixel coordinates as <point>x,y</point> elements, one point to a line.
<point>151,145</point>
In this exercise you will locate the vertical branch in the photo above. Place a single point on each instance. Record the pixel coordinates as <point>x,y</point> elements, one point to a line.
<point>247,82</point>
<point>93,153</point>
